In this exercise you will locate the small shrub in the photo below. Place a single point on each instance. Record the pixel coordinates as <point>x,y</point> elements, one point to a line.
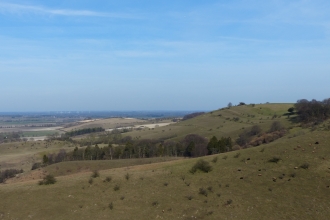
<point>165,184</point>
<point>36,166</point>
<point>183,177</point>
<point>49,179</point>
<point>190,197</point>
<point>293,175</point>
<point>111,206</point>
<point>116,188</point>
<point>274,160</point>
<point>229,201</point>
<point>209,213</point>
<point>262,150</point>
<point>187,184</point>
<point>95,174</point>
<point>304,166</point>
<point>127,176</point>
<point>215,159</point>
<point>90,181</point>
<point>225,157</point>
<point>201,165</point>
<point>107,179</point>
<point>154,203</point>
<point>218,194</point>
<point>122,198</point>
<point>202,191</point>
<point>210,188</point>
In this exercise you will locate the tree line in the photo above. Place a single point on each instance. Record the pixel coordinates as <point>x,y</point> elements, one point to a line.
<point>9,173</point>
<point>192,145</point>
<point>312,111</point>
<point>84,131</point>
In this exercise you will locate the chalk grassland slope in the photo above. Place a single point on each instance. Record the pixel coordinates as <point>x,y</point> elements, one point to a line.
<point>242,185</point>
<point>74,167</point>
<point>21,155</point>
<point>220,122</point>
<point>109,123</point>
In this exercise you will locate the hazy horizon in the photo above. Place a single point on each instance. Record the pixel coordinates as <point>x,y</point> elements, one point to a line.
<point>116,55</point>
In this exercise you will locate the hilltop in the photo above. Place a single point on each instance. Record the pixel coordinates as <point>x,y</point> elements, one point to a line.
<point>222,122</point>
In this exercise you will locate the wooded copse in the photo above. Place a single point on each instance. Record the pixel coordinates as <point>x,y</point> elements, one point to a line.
<point>312,111</point>
<point>83,131</point>
<point>192,145</point>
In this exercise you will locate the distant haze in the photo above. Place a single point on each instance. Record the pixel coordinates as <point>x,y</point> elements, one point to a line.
<point>161,55</point>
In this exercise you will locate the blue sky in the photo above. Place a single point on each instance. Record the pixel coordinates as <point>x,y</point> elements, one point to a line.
<point>161,55</point>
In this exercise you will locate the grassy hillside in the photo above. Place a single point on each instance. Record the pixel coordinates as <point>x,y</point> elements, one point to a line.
<point>220,122</point>
<point>21,155</point>
<point>285,179</point>
<point>242,185</point>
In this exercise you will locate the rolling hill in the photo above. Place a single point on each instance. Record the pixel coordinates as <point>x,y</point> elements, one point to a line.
<point>288,178</point>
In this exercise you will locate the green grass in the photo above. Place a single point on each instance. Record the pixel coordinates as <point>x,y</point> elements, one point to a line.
<point>72,167</point>
<point>39,133</point>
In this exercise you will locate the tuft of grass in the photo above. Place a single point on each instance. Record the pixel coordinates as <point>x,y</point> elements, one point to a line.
<point>116,187</point>
<point>127,176</point>
<point>237,155</point>
<point>304,166</point>
<point>90,181</point>
<point>202,191</point>
<point>107,179</point>
<point>209,213</point>
<point>229,201</point>
<point>225,157</point>
<point>201,165</point>
<point>95,174</point>
<point>155,203</point>
<point>111,206</point>
<point>215,159</point>
<point>274,160</point>
<point>190,197</point>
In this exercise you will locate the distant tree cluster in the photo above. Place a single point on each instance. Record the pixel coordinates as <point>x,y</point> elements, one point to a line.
<point>192,115</point>
<point>312,111</point>
<point>84,131</point>
<point>222,145</point>
<point>10,137</point>
<point>9,173</point>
